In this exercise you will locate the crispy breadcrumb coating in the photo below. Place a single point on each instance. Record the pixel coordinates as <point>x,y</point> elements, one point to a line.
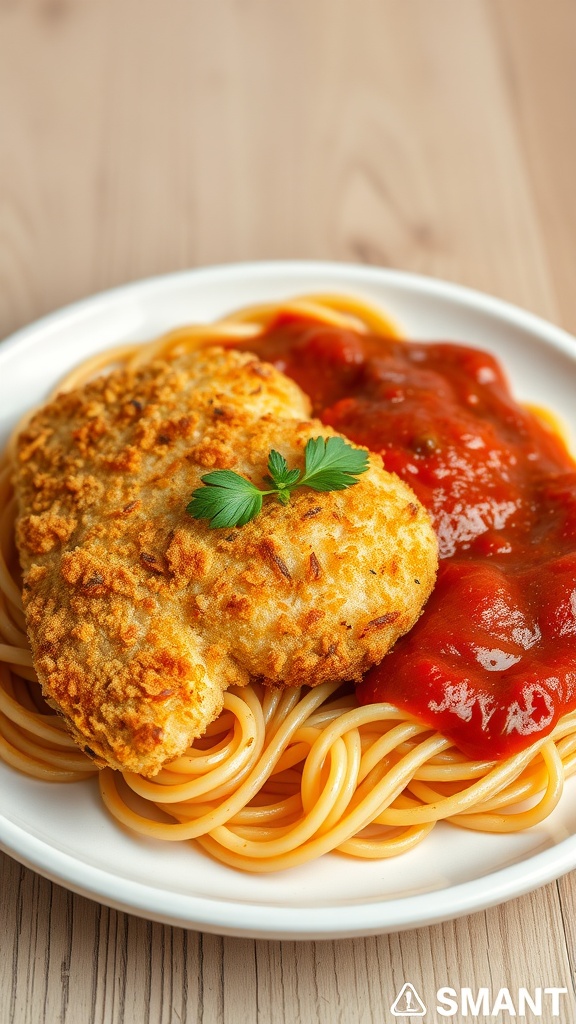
<point>139,616</point>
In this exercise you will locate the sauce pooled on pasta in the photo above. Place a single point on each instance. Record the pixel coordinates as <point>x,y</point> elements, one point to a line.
<point>491,663</point>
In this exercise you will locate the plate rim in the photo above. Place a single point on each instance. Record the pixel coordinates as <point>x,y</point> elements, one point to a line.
<point>338,922</point>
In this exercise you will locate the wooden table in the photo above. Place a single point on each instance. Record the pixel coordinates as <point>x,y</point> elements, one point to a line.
<point>141,136</point>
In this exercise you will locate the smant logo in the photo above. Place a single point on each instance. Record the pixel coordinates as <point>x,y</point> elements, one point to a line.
<point>468,1003</point>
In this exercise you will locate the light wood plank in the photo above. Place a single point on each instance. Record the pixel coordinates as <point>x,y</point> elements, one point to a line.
<point>108,967</point>
<point>536,44</point>
<point>174,141</point>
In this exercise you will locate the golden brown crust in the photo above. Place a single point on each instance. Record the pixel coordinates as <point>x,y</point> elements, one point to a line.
<point>139,616</point>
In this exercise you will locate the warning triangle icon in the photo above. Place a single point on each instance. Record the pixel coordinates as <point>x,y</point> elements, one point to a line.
<point>408,1003</point>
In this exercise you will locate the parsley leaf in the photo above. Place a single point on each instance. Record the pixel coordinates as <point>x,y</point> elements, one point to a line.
<point>228,499</point>
<point>282,480</point>
<point>331,464</point>
<point>280,475</point>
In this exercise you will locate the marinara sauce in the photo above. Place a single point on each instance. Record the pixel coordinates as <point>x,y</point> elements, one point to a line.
<point>491,663</point>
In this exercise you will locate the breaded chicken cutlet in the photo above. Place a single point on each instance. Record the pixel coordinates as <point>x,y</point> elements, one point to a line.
<point>139,616</point>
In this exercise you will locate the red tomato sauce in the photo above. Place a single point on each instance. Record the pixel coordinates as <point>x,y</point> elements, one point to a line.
<point>491,663</point>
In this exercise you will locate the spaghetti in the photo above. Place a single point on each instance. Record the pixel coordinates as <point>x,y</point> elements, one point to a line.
<point>281,777</point>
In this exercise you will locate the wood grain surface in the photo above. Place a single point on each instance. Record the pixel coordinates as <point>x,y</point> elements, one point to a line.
<point>144,136</point>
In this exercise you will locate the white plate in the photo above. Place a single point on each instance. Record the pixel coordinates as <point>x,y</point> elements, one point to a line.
<point>63,832</point>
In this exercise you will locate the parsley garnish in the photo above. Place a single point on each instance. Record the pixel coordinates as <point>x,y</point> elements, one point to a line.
<point>228,499</point>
